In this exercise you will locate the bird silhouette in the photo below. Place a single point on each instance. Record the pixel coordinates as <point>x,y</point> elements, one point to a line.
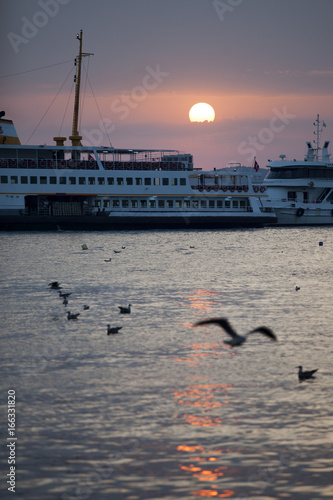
<point>54,285</point>
<point>305,375</point>
<point>85,307</point>
<point>112,330</point>
<point>125,310</point>
<point>236,339</point>
<point>72,316</point>
<point>65,295</point>
<point>107,260</point>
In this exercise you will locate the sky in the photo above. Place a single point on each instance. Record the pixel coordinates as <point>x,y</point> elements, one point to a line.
<point>265,66</point>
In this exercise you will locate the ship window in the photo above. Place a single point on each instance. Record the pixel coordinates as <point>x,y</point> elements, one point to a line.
<point>82,180</point>
<point>182,181</point>
<point>134,203</point>
<point>195,204</point>
<point>227,203</point>
<point>72,180</point>
<point>101,181</point>
<point>43,179</point>
<point>165,181</point>
<point>62,180</point>
<point>147,181</point>
<point>14,179</point>
<point>116,203</point>
<point>187,204</point>
<point>156,181</point>
<point>124,203</point>
<point>152,203</point>
<point>97,203</point>
<point>106,203</point>
<point>120,181</point>
<point>110,181</point>
<point>242,204</point>
<point>169,203</point>
<point>203,203</point>
<point>211,204</point>
<point>219,204</point>
<point>234,204</point>
<point>138,181</point>
<point>178,204</point>
<point>292,195</point>
<point>143,203</point>
<point>4,179</point>
<point>174,181</point>
<point>53,180</point>
<point>161,203</point>
<point>91,181</point>
<point>33,179</point>
<point>129,181</point>
<point>24,179</point>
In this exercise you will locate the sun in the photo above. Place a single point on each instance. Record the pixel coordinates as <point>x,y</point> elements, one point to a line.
<point>202,112</point>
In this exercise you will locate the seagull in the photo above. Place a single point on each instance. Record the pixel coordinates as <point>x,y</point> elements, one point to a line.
<point>235,338</point>
<point>117,251</point>
<point>65,295</point>
<point>85,307</point>
<point>65,301</point>
<point>123,247</point>
<point>107,260</point>
<point>72,316</point>
<point>305,375</point>
<point>125,310</point>
<point>297,288</point>
<point>113,330</point>
<point>54,285</point>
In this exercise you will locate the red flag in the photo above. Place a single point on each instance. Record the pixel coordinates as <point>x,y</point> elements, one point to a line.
<point>256,166</point>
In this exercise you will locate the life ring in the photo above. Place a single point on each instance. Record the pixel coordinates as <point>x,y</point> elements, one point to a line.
<point>3,163</point>
<point>200,188</point>
<point>245,189</point>
<point>262,189</point>
<point>208,188</point>
<point>32,164</point>
<point>311,184</point>
<point>52,164</point>
<point>216,188</point>
<point>23,163</point>
<point>224,188</point>
<point>42,163</point>
<point>232,189</point>
<point>62,163</point>
<point>300,212</point>
<point>255,189</point>
<point>239,189</point>
<point>13,163</point>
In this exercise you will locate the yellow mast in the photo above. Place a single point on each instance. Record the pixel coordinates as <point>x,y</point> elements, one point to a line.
<point>75,137</point>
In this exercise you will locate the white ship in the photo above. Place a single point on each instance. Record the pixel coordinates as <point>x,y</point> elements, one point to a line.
<point>77,187</point>
<point>301,192</point>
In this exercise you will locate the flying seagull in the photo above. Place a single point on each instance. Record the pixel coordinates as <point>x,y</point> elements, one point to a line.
<point>55,285</point>
<point>125,310</point>
<point>72,316</point>
<point>107,260</point>
<point>113,330</point>
<point>235,338</point>
<point>305,375</point>
<point>65,295</point>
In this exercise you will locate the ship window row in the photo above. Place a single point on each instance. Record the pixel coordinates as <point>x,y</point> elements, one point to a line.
<point>170,204</point>
<point>91,181</point>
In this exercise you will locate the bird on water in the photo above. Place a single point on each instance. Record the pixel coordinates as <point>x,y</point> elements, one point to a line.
<point>305,375</point>
<point>125,310</point>
<point>112,330</point>
<point>72,315</point>
<point>236,339</point>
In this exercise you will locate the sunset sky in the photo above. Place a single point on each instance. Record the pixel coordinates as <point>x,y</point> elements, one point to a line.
<point>265,66</point>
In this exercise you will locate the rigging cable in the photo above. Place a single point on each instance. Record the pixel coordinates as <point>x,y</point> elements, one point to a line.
<point>36,69</point>
<point>99,111</point>
<point>40,121</point>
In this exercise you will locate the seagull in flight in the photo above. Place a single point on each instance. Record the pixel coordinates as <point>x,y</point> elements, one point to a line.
<point>55,285</point>
<point>112,330</point>
<point>125,310</point>
<point>65,295</point>
<point>236,339</point>
<point>305,375</point>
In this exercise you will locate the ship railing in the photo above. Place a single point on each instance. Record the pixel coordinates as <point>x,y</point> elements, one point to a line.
<point>89,164</point>
<point>216,187</point>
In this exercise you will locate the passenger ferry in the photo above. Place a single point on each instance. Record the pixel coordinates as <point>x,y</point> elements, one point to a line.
<point>76,187</point>
<point>301,192</point>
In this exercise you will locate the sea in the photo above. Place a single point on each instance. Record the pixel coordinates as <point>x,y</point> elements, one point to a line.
<point>164,410</point>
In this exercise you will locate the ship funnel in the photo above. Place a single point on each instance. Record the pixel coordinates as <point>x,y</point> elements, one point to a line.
<point>325,153</point>
<point>310,153</point>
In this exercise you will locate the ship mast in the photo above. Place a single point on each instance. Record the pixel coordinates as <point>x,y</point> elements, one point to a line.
<point>319,128</point>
